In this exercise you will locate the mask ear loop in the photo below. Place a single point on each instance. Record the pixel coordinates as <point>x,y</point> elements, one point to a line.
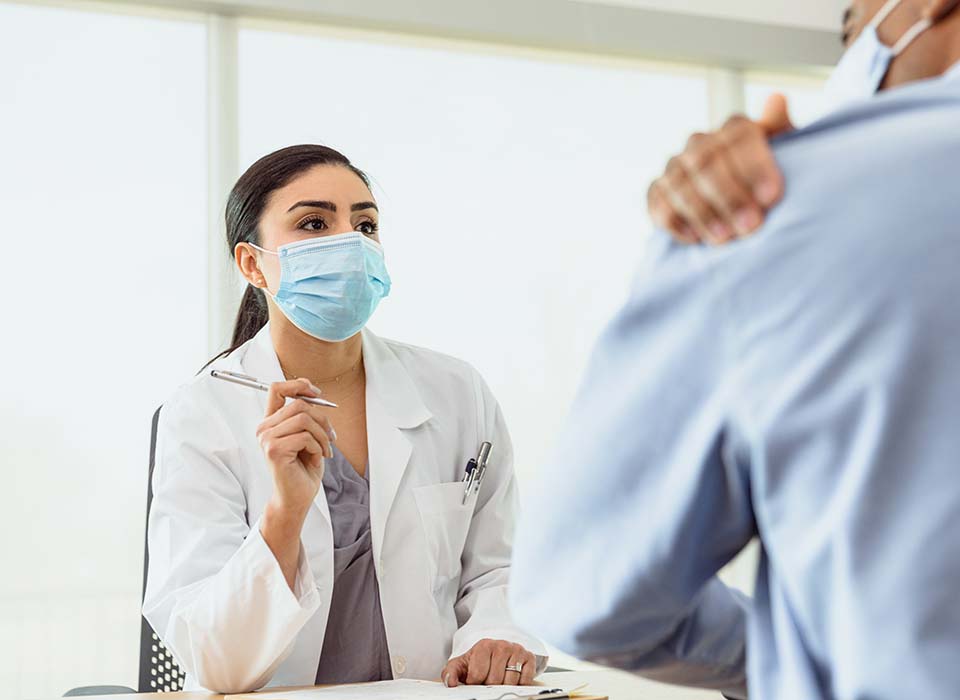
<point>264,287</point>
<point>912,33</point>
<point>263,250</point>
<point>884,12</point>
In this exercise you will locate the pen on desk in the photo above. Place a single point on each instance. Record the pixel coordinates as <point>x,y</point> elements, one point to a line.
<point>555,694</point>
<point>253,383</point>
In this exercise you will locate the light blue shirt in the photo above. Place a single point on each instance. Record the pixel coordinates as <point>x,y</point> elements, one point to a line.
<point>802,386</point>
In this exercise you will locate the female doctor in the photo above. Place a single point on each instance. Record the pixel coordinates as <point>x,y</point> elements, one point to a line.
<point>292,544</point>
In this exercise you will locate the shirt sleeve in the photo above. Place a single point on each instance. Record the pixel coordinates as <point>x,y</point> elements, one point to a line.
<point>215,593</point>
<point>644,498</point>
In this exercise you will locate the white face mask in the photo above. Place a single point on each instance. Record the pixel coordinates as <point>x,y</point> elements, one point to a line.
<point>865,64</point>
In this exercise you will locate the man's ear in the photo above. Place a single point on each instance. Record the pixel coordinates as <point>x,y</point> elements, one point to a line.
<point>938,9</point>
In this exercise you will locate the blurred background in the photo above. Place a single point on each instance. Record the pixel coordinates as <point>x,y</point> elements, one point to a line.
<point>511,143</point>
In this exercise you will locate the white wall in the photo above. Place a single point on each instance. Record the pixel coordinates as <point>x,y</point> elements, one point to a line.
<point>805,96</point>
<point>512,192</point>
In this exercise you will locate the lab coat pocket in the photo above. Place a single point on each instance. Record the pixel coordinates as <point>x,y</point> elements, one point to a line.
<point>446,522</point>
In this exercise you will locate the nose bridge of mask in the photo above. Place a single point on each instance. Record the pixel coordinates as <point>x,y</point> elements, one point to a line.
<point>312,262</point>
<point>290,251</point>
<point>321,242</point>
<point>347,261</point>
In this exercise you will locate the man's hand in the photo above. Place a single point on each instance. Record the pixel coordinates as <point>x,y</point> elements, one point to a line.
<point>723,184</point>
<point>486,664</point>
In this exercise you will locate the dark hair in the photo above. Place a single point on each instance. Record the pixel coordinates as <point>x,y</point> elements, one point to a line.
<point>245,206</point>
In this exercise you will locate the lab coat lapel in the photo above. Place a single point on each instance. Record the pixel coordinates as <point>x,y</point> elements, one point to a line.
<point>261,362</point>
<point>394,406</point>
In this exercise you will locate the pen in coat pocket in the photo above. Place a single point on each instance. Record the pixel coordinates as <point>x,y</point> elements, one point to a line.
<point>475,470</point>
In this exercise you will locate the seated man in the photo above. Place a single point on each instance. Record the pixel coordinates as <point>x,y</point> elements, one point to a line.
<point>798,386</point>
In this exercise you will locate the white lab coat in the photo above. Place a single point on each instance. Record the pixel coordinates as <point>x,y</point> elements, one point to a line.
<point>215,593</point>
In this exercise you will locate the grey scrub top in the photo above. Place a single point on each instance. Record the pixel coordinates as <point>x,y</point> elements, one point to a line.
<point>355,643</point>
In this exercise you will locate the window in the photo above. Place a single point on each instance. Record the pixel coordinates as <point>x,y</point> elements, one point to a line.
<point>804,95</point>
<point>103,189</point>
<point>512,190</point>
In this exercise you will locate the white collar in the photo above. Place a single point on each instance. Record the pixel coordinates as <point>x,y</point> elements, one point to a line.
<point>387,378</point>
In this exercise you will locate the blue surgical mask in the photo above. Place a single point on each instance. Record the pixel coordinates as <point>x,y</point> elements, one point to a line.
<point>865,64</point>
<point>330,286</point>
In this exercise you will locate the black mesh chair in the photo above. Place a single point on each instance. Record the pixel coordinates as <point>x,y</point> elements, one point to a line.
<point>159,672</point>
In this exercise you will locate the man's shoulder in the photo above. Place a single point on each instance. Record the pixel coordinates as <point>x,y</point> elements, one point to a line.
<point>880,169</point>
<point>906,129</point>
<point>870,214</point>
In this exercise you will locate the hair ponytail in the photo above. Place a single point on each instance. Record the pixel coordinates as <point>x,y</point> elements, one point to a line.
<point>245,206</point>
<point>251,316</point>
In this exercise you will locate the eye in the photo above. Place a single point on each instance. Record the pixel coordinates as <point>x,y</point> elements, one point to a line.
<point>368,228</point>
<point>313,223</point>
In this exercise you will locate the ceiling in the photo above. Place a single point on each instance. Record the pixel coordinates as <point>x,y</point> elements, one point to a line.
<point>810,14</point>
<point>769,34</point>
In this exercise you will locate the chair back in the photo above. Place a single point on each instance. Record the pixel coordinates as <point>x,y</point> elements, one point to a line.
<point>159,673</point>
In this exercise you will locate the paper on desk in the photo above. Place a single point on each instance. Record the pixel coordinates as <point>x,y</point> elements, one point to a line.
<point>398,690</point>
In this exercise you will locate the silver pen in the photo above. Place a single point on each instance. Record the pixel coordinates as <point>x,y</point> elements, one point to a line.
<point>468,479</point>
<point>554,694</point>
<point>481,465</point>
<point>254,383</point>
<point>474,472</point>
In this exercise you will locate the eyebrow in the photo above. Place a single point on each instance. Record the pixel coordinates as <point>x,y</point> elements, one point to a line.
<point>330,206</point>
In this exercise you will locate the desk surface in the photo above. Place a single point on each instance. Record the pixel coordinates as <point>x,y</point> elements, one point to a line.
<point>614,684</point>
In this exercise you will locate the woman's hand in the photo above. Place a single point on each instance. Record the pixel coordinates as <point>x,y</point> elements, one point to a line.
<point>724,182</point>
<point>295,439</point>
<point>486,664</point>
